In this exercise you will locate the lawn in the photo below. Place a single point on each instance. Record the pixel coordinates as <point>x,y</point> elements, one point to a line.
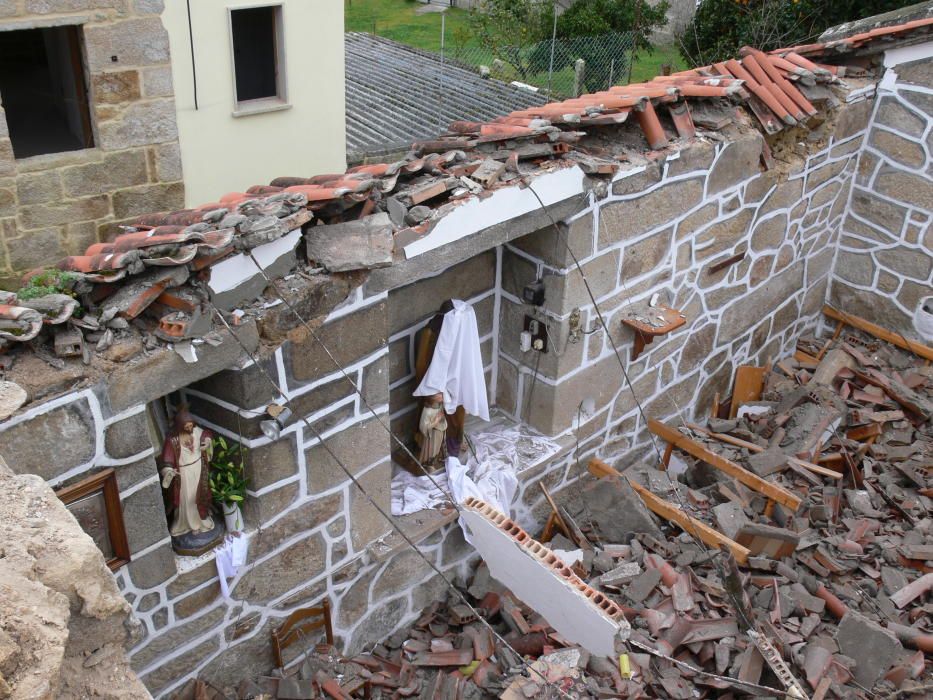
<point>398,20</point>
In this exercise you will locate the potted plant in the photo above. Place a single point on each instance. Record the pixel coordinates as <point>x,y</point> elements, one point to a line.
<point>228,481</point>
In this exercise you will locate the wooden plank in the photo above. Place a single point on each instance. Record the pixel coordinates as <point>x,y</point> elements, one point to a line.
<point>725,437</point>
<point>753,481</point>
<point>599,468</point>
<point>749,382</point>
<point>815,468</point>
<point>919,349</point>
<point>689,524</point>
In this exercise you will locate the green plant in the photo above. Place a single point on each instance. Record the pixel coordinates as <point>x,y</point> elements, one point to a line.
<point>48,282</point>
<point>227,474</point>
<point>721,27</point>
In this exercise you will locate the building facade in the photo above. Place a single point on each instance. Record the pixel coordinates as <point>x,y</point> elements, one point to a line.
<point>103,117</point>
<point>259,90</point>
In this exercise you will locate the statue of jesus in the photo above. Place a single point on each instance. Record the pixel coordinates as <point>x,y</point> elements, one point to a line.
<point>186,456</point>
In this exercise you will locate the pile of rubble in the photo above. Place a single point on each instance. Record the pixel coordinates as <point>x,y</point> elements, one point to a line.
<point>801,564</point>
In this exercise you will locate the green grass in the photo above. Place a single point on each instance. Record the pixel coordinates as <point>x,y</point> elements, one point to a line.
<point>396,20</point>
<point>648,64</point>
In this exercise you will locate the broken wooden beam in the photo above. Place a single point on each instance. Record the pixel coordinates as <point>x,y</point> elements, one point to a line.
<point>599,468</point>
<point>749,383</point>
<point>917,348</point>
<point>689,524</point>
<point>753,481</point>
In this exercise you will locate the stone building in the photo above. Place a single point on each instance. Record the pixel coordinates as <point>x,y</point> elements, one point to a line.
<point>102,118</point>
<point>744,218</point>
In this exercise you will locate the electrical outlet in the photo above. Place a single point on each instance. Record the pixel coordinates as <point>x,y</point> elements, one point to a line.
<point>537,332</point>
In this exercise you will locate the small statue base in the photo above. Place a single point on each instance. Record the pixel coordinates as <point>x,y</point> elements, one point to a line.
<point>193,544</point>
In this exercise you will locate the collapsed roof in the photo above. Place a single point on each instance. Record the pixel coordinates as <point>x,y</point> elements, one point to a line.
<point>167,269</point>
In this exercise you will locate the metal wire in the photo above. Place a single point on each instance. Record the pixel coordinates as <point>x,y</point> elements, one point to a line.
<point>395,526</point>
<point>346,376</point>
<point>690,531</point>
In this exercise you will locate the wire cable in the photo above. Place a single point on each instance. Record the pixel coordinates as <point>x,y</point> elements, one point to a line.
<point>346,376</point>
<point>382,511</point>
<point>602,321</point>
<point>717,560</point>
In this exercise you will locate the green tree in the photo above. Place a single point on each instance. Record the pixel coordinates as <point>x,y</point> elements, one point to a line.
<point>721,27</point>
<point>507,27</point>
<point>605,34</point>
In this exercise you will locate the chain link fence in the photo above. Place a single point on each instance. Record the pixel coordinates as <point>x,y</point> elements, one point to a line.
<point>560,67</point>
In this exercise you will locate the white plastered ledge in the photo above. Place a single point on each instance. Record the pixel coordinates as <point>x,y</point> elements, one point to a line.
<point>504,204</point>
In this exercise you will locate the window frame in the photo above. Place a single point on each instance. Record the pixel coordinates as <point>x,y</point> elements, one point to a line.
<point>261,105</point>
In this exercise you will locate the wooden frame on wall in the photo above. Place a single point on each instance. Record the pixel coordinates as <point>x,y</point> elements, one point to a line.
<point>95,503</point>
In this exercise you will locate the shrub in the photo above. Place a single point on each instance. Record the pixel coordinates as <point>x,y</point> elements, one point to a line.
<point>721,27</point>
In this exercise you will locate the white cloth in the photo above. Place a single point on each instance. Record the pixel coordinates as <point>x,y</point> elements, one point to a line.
<point>187,518</point>
<point>491,476</point>
<point>456,370</point>
<point>229,557</point>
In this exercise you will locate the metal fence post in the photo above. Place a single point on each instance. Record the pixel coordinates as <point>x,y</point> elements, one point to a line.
<point>550,70</point>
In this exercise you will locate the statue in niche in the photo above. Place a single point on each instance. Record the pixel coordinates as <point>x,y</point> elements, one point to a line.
<point>427,341</point>
<point>184,466</point>
<point>433,430</point>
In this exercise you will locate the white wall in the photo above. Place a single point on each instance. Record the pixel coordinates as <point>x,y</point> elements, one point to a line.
<point>222,153</point>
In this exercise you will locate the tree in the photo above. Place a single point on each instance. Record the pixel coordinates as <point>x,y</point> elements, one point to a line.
<point>507,27</point>
<point>605,34</point>
<point>721,27</point>
<point>601,32</point>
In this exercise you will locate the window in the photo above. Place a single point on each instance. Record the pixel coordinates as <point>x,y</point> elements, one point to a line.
<point>258,57</point>
<point>43,90</point>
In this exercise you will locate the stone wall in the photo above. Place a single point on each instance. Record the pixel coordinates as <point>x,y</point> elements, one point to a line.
<point>658,229</point>
<point>655,228</point>
<point>58,204</point>
<point>884,266</point>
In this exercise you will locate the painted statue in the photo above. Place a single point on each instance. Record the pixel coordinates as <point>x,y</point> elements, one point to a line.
<point>433,429</point>
<point>186,455</point>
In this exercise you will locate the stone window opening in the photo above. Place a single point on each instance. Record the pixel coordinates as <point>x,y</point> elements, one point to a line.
<point>44,91</point>
<point>258,46</point>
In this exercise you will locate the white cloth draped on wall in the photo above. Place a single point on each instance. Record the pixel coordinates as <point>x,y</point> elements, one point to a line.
<point>456,369</point>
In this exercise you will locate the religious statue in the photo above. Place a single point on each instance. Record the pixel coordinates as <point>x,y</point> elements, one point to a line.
<point>433,429</point>
<point>186,456</point>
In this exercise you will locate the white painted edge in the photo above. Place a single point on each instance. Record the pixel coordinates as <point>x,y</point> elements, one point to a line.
<point>906,54</point>
<point>503,205</point>
<point>232,272</point>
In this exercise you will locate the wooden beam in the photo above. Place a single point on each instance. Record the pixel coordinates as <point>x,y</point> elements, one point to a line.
<point>753,481</point>
<point>599,469</point>
<point>917,348</point>
<point>752,447</point>
<point>749,382</point>
<point>815,468</point>
<point>689,524</point>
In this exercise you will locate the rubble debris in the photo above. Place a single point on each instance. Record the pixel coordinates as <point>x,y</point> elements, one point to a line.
<point>354,245</point>
<point>12,396</point>
<point>826,591</point>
